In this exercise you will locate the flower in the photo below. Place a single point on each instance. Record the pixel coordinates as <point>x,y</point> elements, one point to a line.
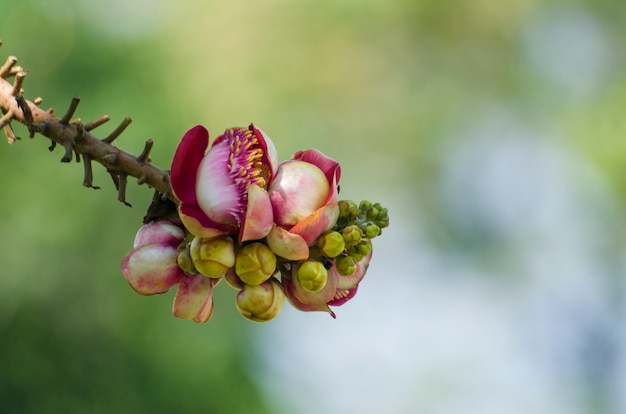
<point>338,289</point>
<point>153,267</point>
<point>224,190</point>
<point>303,194</point>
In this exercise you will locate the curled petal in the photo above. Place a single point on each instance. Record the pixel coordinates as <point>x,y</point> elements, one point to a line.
<point>298,189</point>
<point>287,245</point>
<point>351,281</point>
<point>161,232</point>
<point>199,224</point>
<point>152,269</point>
<point>308,301</point>
<point>259,218</point>
<point>217,196</point>
<point>312,227</point>
<point>185,163</point>
<point>194,299</point>
<point>330,168</point>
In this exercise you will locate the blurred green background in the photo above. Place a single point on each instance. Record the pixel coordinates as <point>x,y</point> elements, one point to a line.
<point>493,131</point>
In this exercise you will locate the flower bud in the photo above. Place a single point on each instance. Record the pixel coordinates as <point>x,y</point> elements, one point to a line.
<point>360,250</point>
<point>348,210</point>
<point>371,231</point>
<point>261,303</point>
<point>352,235</point>
<point>213,257</point>
<point>255,263</point>
<point>331,244</point>
<point>312,275</point>
<point>346,265</point>
<point>183,259</point>
<point>365,205</point>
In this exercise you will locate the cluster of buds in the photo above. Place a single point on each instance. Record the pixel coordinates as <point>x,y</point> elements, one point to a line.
<point>273,231</point>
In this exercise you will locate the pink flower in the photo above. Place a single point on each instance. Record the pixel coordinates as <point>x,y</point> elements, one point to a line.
<point>304,195</point>
<point>153,267</point>
<point>224,190</point>
<point>338,289</point>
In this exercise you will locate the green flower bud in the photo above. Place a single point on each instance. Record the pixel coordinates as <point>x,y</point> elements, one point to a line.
<point>371,231</point>
<point>346,265</point>
<point>372,213</point>
<point>352,235</point>
<point>255,263</point>
<point>261,303</point>
<point>331,244</point>
<point>359,251</point>
<point>346,209</point>
<point>183,259</point>
<point>212,257</point>
<point>365,205</point>
<point>312,275</point>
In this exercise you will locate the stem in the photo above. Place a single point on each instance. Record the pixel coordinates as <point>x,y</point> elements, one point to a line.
<point>76,137</point>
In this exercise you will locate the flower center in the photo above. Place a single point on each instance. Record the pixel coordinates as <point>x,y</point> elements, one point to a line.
<point>246,162</point>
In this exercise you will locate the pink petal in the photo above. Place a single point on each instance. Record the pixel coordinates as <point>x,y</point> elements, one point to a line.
<point>217,195</point>
<point>317,223</point>
<point>152,268</point>
<point>351,281</point>
<point>287,245</point>
<point>194,299</point>
<point>199,224</point>
<point>259,217</point>
<point>161,232</point>
<point>342,296</point>
<point>330,168</point>
<point>270,155</point>
<point>307,301</point>
<point>186,161</point>
<point>298,189</point>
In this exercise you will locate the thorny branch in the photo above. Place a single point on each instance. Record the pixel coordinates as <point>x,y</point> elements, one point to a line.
<point>77,140</point>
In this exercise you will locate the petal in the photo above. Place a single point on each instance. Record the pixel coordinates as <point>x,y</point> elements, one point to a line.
<point>217,195</point>
<point>351,281</point>
<point>312,227</point>
<point>342,296</point>
<point>152,268</point>
<point>186,161</point>
<point>298,189</point>
<point>307,301</point>
<point>330,168</point>
<point>199,224</point>
<point>287,245</point>
<point>194,299</point>
<point>161,232</point>
<point>259,217</point>
<point>270,155</point>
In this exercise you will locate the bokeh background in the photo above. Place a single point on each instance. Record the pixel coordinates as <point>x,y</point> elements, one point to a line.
<point>495,133</point>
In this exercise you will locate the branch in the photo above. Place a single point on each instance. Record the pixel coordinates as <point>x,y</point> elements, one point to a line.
<point>76,138</point>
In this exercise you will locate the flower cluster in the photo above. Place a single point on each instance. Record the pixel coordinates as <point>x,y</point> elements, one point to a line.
<point>271,230</point>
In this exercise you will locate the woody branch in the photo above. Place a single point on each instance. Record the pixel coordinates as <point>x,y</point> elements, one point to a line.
<point>76,137</point>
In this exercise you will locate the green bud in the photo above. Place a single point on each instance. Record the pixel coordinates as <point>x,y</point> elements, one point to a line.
<point>346,265</point>
<point>365,205</point>
<point>382,220</point>
<point>372,213</point>
<point>255,263</point>
<point>312,275</point>
<point>261,303</point>
<point>183,259</point>
<point>352,235</point>
<point>212,257</point>
<point>331,244</point>
<point>362,249</point>
<point>371,231</point>
<point>345,206</point>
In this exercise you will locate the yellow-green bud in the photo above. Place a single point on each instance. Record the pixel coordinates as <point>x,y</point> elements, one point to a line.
<point>261,303</point>
<point>346,265</point>
<point>331,244</point>
<point>352,235</point>
<point>312,275</point>
<point>213,257</point>
<point>183,259</point>
<point>255,263</point>
<point>371,231</point>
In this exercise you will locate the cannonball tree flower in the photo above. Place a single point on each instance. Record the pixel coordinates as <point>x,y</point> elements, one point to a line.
<point>303,195</point>
<point>224,189</point>
<point>155,265</point>
<point>338,289</point>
